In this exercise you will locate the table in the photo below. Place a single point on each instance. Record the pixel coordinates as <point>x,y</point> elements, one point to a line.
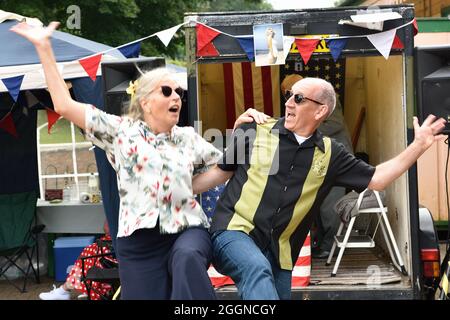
<point>71,217</point>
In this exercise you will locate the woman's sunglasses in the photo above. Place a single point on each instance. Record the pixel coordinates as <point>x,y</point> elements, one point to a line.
<point>298,98</point>
<point>167,91</point>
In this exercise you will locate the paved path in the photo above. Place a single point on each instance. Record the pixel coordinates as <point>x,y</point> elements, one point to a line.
<point>9,292</point>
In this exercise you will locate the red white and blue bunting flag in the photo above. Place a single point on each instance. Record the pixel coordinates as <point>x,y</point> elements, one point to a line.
<point>90,65</point>
<point>31,99</point>
<point>415,26</point>
<point>209,50</point>
<point>382,41</point>
<point>205,36</point>
<point>398,44</point>
<point>287,44</point>
<point>13,85</point>
<point>247,44</point>
<point>306,47</point>
<point>131,50</point>
<point>7,124</point>
<point>336,46</point>
<point>52,117</point>
<point>166,35</point>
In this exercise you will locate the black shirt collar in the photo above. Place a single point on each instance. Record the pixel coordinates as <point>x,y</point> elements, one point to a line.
<point>315,140</point>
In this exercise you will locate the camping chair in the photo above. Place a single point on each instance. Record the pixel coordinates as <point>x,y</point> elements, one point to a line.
<point>105,269</point>
<point>18,235</point>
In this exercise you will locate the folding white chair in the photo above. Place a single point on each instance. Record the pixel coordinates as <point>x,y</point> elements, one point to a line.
<point>366,240</point>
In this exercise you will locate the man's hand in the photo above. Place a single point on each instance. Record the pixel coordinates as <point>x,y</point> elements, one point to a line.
<point>426,134</point>
<point>249,115</point>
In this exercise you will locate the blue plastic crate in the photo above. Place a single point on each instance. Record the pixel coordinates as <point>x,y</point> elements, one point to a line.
<point>67,250</point>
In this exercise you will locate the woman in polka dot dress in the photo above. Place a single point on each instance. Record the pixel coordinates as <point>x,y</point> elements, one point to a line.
<point>73,282</point>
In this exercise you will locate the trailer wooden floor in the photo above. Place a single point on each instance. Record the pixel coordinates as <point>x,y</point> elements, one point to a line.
<point>368,267</point>
<point>359,270</point>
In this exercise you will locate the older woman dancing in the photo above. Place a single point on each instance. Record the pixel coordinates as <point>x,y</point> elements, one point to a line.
<point>163,246</point>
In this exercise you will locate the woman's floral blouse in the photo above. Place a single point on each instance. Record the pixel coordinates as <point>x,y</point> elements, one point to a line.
<point>154,171</point>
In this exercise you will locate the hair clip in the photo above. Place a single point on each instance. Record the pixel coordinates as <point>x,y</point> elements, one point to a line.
<point>131,90</point>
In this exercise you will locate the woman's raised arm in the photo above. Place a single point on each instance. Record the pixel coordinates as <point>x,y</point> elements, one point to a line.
<point>62,101</point>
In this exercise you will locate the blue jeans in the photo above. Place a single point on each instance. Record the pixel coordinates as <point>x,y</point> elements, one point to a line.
<point>255,272</point>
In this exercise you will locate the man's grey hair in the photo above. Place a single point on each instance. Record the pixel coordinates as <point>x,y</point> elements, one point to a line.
<point>325,94</point>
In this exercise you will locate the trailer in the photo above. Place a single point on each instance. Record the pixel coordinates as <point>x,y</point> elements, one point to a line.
<point>378,98</point>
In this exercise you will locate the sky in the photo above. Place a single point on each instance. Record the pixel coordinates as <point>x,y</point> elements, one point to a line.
<point>301,4</point>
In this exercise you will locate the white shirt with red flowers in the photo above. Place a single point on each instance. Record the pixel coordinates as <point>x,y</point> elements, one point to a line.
<point>154,171</point>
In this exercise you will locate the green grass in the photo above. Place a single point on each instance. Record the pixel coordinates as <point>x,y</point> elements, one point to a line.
<point>60,132</point>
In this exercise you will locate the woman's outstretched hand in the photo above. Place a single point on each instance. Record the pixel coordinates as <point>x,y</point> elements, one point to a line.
<point>62,101</point>
<point>36,35</point>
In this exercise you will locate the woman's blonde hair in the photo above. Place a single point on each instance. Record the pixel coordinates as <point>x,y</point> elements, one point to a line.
<point>270,31</point>
<point>146,83</point>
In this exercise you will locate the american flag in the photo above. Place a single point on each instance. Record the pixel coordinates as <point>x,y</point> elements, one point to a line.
<point>248,86</point>
<point>209,199</point>
<point>333,72</point>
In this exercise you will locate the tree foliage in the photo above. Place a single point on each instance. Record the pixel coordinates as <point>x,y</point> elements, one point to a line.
<point>236,5</point>
<point>116,22</point>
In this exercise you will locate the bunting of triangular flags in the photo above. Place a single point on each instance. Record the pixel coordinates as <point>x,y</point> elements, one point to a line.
<point>130,51</point>
<point>13,85</point>
<point>336,46</point>
<point>397,44</point>
<point>166,35</point>
<point>287,44</point>
<point>205,47</point>
<point>205,36</point>
<point>306,47</point>
<point>248,45</point>
<point>31,99</point>
<point>382,41</point>
<point>52,117</point>
<point>415,26</point>
<point>209,50</point>
<point>90,65</point>
<point>7,124</point>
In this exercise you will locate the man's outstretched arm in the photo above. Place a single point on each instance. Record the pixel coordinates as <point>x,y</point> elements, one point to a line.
<point>424,137</point>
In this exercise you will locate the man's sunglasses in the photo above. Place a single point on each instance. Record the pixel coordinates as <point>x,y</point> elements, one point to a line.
<point>167,91</point>
<point>298,98</point>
